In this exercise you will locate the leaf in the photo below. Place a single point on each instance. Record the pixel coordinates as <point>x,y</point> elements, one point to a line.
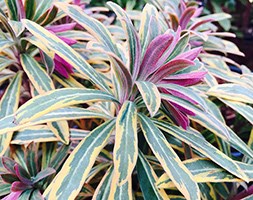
<point>180,46</point>
<point>8,105</point>
<point>121,191</point>
<point>26,194</point>
<point>5,43</point>
<point>187,92</point>
<point>37,75</point>
<point>232,92</point>
<point>65,52</point>
<point>93,26</point>
<point>43,83</point>
<point>194,138</point>
<point>134,45</point>
<point>203,171</point>
<point>71,178</point>
<point>125,150</point>
<point>30,8</point>
<point>42,133</point>
<point>150,95</point>
<point>103,189</point>
<point>59,157</point>
<point>154,54</point>
<point>43,174</point>
<point>60,130</point>
<point>147,179</point>
<point>48,151</point>
<point>53,100</point>
<point>186,17</point>
<point>41,8</point>
<point>202,117</point>
<point>58,99</point>
<point>149,28</point>
<point>12,9</point>
<point>169,160</point>
<point>243,109</point>
<point>170,68</point>
<point>31,159</point>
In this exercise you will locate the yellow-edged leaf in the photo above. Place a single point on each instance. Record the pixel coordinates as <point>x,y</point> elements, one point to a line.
<point>169,160</point>
<point>125,151</point>
<point>69,181</point>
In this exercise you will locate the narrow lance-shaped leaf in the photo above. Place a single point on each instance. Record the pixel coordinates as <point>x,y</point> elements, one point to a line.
<point>66,52</point>
<point>121,192</point>
<point>169,160</point>
<point>193,138</point>
<point>134,45</point>
<point>37,75</point>
<point>147,179</point>
<point>103,189</point>
<point>53,100</point>
<point>43,83</point>
<point>232,92</point>
<point>126,145</point>
<point>203,170</point>
<point>69,181</point>
<point>202,117</point>
<point>96,28</point>
<point>8,105</point>
<point>150,95</point>
<point>149,28</point>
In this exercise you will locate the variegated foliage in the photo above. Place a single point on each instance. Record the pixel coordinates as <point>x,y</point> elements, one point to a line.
<point>132,98</point>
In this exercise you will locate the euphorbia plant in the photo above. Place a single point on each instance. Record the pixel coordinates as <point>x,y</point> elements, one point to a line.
<point>152,108</point>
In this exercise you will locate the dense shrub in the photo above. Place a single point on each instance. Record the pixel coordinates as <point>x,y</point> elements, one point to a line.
<point>107,103</point>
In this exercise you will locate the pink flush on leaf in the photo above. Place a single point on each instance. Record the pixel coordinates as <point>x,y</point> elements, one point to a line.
<point>62,66</point>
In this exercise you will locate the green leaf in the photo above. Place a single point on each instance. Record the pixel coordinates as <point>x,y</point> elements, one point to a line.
<point>25,194</point>
<point>12,9</point>
<point>121,191</point>
<point>53,100</point>
<point>169,160</point>
<point>93,26</point>
<point>42,133</point>
<point>243,109</point>
<point>149,28</point>
<point>5,43</point>
<point>60,130</point>
<point>125,150</point>
<point>147,179</point>
<point>204,118</point>
<point>37,75</point>
<point>8,105</point>
<point>30,8</point>
<point>40,105</point>
<point>55,44</point>
<point>150,95</point>
<point>41,8</point>
<point>134,45</point>
<point>103,189</point>
<point>197,141</point>
<point>43,83</point>
<point>232,92</point>
<point>70,179</point>
<point>48,151</point>
<point>43,174</point>
<point>204,171</point>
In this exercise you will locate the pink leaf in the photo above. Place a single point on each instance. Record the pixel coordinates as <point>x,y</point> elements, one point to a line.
<point>185,79</point>
<point>191,54</point>
<point>19,186</point>
<point>170,68</point>
<point>155,50</point>
<point>61,28</point>
<point>186,17</point>
<point>13,196</point>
